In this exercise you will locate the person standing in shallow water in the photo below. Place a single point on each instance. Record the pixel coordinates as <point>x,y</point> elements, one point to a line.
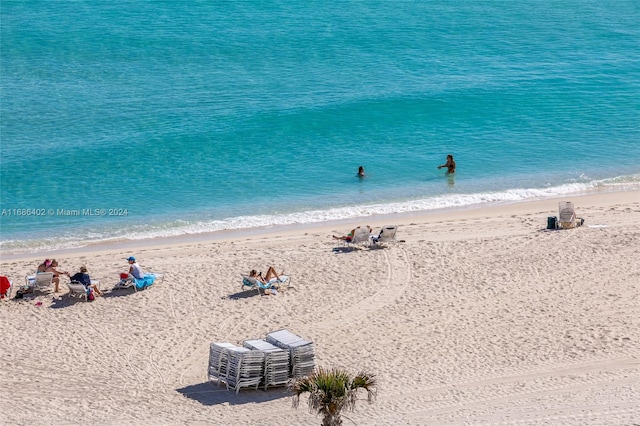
<point>450,165</point>
<point>360,172</point>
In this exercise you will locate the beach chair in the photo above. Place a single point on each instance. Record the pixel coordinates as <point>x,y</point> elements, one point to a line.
<point>386,236</point>
<point>77,290</point>
<point>252,283</point>
<point>245,368</point>
<point>6,285</point>
<point>361,237</point>
<point>567,215</point>
<point>40,282</point>
<point>137,283</point>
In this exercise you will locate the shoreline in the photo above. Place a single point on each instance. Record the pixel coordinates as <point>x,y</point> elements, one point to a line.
<point>338,225</point>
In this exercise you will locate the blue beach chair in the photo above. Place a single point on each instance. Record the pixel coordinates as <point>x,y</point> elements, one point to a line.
<point>137,283</point>
<point>252,283</point>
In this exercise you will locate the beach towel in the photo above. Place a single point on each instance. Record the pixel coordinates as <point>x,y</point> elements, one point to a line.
<point>145,281</point>
<point>5,285</point>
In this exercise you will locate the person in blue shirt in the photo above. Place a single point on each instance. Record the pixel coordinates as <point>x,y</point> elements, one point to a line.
<point>84,278</point>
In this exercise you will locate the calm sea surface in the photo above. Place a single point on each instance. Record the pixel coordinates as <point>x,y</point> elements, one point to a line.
<point>135,119</point>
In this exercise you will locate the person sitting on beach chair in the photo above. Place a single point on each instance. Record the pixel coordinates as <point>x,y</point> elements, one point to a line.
<point>83,278</point>
<point>127,279</point>
<point>43,266</point>
<point>135,278</point>
<point>56,274</point>
<point>135,271</point>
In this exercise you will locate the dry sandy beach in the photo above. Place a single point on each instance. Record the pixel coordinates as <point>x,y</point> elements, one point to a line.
<point>478,317</point>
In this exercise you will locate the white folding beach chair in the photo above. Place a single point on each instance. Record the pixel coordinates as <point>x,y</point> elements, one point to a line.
<point>78,290</point>
<point>387,235</point>
<point>41,281</point>
<point>361,237</point>
<point>566,215</point>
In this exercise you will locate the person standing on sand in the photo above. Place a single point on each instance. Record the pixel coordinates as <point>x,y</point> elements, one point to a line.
<point>450,165</point>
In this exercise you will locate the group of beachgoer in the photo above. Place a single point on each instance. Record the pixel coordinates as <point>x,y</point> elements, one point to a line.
<point>450,165</point>
<point>82,276</point>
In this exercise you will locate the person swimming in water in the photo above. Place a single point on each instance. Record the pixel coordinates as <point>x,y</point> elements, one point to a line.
<point>450,165</point>
<point>360,172</point>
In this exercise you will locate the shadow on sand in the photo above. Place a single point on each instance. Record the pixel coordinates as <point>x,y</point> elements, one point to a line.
<point>242,294</point>
<point>209,393</point>
<point>345,249</point>
<point>65,301</point>
<point>121,292</point>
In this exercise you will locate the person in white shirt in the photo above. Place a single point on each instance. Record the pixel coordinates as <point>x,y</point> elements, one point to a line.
<point>134,269</point>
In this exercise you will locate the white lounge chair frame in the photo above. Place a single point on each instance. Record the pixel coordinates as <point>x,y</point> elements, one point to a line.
<point>43,281</point>
<point>387,235</point>
<point>361,237</point>
<point>566,215</point>
<point>252,283</point>
<point>78,290</point>
<point>130,283</point>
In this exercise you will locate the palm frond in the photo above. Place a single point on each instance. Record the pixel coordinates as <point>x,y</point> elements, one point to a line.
<point>332,391</point>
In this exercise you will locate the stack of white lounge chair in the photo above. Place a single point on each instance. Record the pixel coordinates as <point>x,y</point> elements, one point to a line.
<point>270,362</point>
<point>218,360</point>
<point>301,352</point>
<point>276,362</point>
<point>235,366</point>
<point>246,368</point>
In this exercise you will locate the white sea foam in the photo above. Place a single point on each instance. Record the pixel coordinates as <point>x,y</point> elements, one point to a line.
<point>441,202</point>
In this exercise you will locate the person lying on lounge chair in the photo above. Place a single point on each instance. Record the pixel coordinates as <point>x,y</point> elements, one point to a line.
<point>271,280</point>
<point>350,235</point>
<point>270,275</point>
<point>346,238</point>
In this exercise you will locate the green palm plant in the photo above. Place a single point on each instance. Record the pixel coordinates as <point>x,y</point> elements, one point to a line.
<point>332,391</point>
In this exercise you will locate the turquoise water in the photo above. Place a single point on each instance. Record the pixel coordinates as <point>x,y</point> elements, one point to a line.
<point>138,119</point>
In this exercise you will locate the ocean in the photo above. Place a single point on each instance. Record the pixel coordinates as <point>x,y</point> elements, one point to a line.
<point>150,118</point>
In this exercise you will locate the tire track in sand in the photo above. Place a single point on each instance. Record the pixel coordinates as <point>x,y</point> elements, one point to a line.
<point>397,280</point>
<point>515,388</point>
<point>229,329</point>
